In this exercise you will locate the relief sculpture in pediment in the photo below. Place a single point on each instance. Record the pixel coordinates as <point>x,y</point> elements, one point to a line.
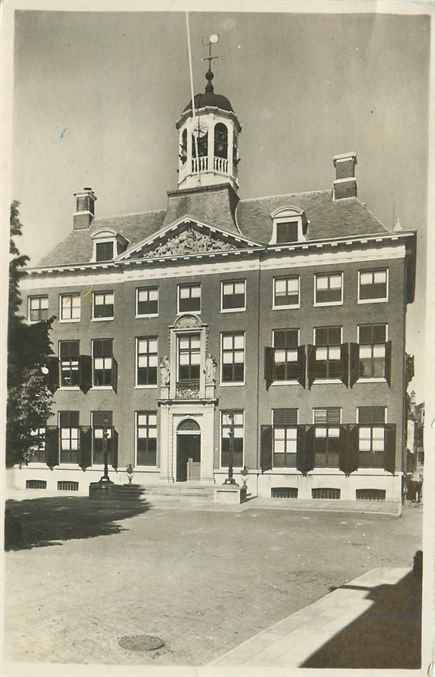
<point>191,241</point>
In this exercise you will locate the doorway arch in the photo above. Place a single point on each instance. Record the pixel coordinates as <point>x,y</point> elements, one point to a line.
<point>188,450</point>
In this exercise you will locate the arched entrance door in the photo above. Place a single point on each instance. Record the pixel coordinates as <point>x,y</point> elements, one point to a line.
<point>188,450</point>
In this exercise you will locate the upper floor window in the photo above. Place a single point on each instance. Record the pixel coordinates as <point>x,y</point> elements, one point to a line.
<point>70,307</point>
<point>286,292</point>
<point>189,298</point>
<point>233,296</point>
<point>327,436</point>
<point>285,435</point>
<point>233,357</point>
<point>189,357</point>
<point>328,289</point>
<point>146,438</point>
<point>373,285</point>
<point>103,363</point>
<point>38,308</point>
<point>372,339</point>
<point>69,436</point>
<point>147,301</point>
<point>327,342</point>
<point>147,359</point>
<point>103,305</point>
<point>69,363</point>
<point>232,435</point>
<point>288,225</point>
<point>285,344</point>
<point>104,250</point>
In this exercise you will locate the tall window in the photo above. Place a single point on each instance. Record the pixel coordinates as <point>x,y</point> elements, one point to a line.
<point>38,308</point>
<point>189,357</point>
<point>146,438</point>
<point>189,298</point>
<point>371,436</point>
<point>327,436</point>
<point>372,349</point>
<point>285,435</point>
<point>232,435</point>
<point>373,285</point>
<point>102,352</point>
<point>147,301</point>
<point>103,305</point>
<point>233,358</point>
<point>70,307</point>
<point>285,344</point>
<point>37,449</point>
<point>183,147</point>
<point>104,251</point>
<point>221,140</point>
<point>147,360</point>
<point>328,289</point>
<point>69,363</point>
<point>69,436</point>
<point>328,352</point>
<point>233,295</point>
<point>286,292</point>
<point>287,231</point>
<point>101,421</point>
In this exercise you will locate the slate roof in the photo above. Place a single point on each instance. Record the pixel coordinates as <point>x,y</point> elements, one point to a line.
<point>209,99</point>
<point>219,206</point>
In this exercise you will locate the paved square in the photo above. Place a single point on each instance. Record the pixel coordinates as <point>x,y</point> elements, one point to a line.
<point>203,581</point>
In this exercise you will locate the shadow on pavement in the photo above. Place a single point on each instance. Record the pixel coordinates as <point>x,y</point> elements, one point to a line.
<point>39,522</point>
<point>387,635</point>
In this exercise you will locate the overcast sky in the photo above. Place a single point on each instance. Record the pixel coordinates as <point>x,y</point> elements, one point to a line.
<point>97,96</point>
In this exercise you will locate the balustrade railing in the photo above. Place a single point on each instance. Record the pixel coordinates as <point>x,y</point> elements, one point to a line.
<point>221,165</point>
<point>199,164</point>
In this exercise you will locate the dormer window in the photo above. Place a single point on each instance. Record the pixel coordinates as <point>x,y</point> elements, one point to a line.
<point>289,225</point>
<point>104,251</point>
<point>107,245</point>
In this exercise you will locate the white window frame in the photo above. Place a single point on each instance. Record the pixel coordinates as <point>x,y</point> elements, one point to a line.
<point>29,300</point>
<point>291,305</point>
<point>95,387</point>
<point>279,468</point>
<point>232,310</point>
<point>136,416</point>
<point>236,468</point>
<point>284,216</point>
<point>148,288</point>
<point>230,384</point>
<point>291,381</point>
<point>318,304</point>
<point>104,240</point>
<point>326,381</point>
<point>372,426</point>
<point>374,379</point>
<point>376,300</point>
<point>70,295</point>
<point>189,312</point>
<point>136,363</point>
<point>101,293</point>
<point>62,387</point>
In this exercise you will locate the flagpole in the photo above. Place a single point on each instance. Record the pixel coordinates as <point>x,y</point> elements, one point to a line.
<point>189,51</point>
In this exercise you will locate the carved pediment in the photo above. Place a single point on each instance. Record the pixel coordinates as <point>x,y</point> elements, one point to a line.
<point>187,321</point>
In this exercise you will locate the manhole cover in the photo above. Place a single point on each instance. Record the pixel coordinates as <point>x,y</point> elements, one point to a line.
<point>141,642</point>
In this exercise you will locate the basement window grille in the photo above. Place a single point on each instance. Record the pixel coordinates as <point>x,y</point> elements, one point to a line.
<point>370,494</point>
<point>36,484</point>
<point>284,492</point>
<point>67,486</point>
<point>324,492</point>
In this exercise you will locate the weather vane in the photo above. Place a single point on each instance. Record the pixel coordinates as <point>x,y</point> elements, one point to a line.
<point>212,40</point>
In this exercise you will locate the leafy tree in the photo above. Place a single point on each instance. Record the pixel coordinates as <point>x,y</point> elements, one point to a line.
<point>29,398</point>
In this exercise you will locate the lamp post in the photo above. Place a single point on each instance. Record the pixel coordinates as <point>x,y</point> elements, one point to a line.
<point>105,477</point>
<point>230,479</point>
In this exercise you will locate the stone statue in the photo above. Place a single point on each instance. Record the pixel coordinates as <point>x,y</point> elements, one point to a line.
<point>210,369</point>
<point>165,373</point>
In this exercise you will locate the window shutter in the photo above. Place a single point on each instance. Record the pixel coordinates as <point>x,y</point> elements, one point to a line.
<point>85,454</point>
<point>311,359</point>
<point>85,366</point>
<point>348,461</point>
<point>52,446</point>
<point>354,366</point>
<point>114,448</point>
<point>266,448</point>
<point>305,449</point>
<point>53,373</point>
<point>268,366</point>
<point>302,365</point>
<point>388,362</point>
<point>345,363</point>
<point>114,375</point>
<point>390,448</point>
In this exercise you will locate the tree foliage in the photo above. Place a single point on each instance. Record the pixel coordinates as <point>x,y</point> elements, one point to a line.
<point>29,399</point>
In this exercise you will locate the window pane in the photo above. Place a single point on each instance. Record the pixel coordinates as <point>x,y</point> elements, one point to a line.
<point>335,282</point>
<point>334,353</point>
<point>366,278</point>
<point>380,277</point>
<point>379,351</point>
<point>322,282</point>
<point>239,341</point>
<point>280,286</point>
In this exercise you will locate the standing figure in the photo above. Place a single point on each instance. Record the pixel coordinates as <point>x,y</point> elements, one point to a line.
<point>210,369</point>
<point>165,372</point>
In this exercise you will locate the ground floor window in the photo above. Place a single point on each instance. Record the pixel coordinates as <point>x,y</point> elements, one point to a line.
<point>285,435</point>
<point>326,437</point>
<point>232,437</point>
<point>37,450</point>
<point>146,438</point>
<point>101,426</point>
<point>371,433</point>
<point>69,436</point>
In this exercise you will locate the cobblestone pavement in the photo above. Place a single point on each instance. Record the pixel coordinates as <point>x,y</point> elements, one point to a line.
<point>203,581</point>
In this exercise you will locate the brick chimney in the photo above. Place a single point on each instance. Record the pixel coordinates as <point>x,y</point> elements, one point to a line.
<point>345,181</point>
<point>85,208</point>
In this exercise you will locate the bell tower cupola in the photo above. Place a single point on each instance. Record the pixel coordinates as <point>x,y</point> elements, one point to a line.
<point>208,137</point>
